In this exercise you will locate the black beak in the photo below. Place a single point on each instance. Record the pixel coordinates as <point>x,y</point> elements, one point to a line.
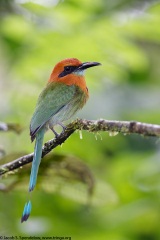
<point>86,65</point>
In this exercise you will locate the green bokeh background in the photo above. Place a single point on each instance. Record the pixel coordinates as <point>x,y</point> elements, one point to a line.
<point>125,37</point>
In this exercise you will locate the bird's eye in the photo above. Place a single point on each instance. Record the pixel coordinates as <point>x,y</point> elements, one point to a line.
<point>68,68</point>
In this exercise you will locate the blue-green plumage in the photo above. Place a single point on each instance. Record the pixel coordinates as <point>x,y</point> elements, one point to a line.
<point>65,93</point>
<point>57,103</point>
<point>36,158</point>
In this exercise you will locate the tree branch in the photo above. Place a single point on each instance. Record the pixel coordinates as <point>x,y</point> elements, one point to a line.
<point>113,127</point>
<point>10,127</point>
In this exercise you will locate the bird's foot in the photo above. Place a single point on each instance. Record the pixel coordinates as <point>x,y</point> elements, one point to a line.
<point>63,127</point>
<point>55,133</point>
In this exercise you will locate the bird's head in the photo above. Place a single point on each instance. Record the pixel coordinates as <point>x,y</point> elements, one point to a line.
<point>70,66</point>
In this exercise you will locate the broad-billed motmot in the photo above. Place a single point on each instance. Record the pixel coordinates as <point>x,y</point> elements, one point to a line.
<point>66,92</point>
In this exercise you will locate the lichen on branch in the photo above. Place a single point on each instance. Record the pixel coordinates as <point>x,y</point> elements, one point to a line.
<point>113,127</point>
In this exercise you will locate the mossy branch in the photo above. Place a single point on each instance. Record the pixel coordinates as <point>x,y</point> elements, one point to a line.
<point>113,127</point>
<point>5,127</point>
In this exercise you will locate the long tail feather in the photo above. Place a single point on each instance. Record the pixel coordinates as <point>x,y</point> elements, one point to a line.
<point>34,171</point>
<point>36,158</point>
<point>26,211</point>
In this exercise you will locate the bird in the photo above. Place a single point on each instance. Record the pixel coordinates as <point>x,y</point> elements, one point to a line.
<point>66,92</point>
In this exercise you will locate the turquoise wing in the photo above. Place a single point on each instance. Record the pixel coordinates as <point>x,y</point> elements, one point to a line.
<point>51,100</point>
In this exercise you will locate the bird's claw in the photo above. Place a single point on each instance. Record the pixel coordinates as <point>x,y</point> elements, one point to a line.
<point>57,134</point>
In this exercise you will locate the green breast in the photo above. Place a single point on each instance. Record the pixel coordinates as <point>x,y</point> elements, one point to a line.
<point>58,101</point>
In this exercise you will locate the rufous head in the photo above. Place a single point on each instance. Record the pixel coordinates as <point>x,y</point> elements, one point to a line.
<point>71,71</point>
<point>70,66</point>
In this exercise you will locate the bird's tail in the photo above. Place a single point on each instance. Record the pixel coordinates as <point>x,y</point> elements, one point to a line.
<point>34,170</point>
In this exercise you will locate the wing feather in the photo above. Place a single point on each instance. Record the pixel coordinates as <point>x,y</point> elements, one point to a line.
<point>51,100</point>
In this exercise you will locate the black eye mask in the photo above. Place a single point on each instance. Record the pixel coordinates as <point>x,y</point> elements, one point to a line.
<point>67,70</point>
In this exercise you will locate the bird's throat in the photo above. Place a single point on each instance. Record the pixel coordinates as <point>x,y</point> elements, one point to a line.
<point>79,73</point>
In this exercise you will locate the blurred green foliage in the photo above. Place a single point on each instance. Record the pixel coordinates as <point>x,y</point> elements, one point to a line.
<point>124,171</point>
